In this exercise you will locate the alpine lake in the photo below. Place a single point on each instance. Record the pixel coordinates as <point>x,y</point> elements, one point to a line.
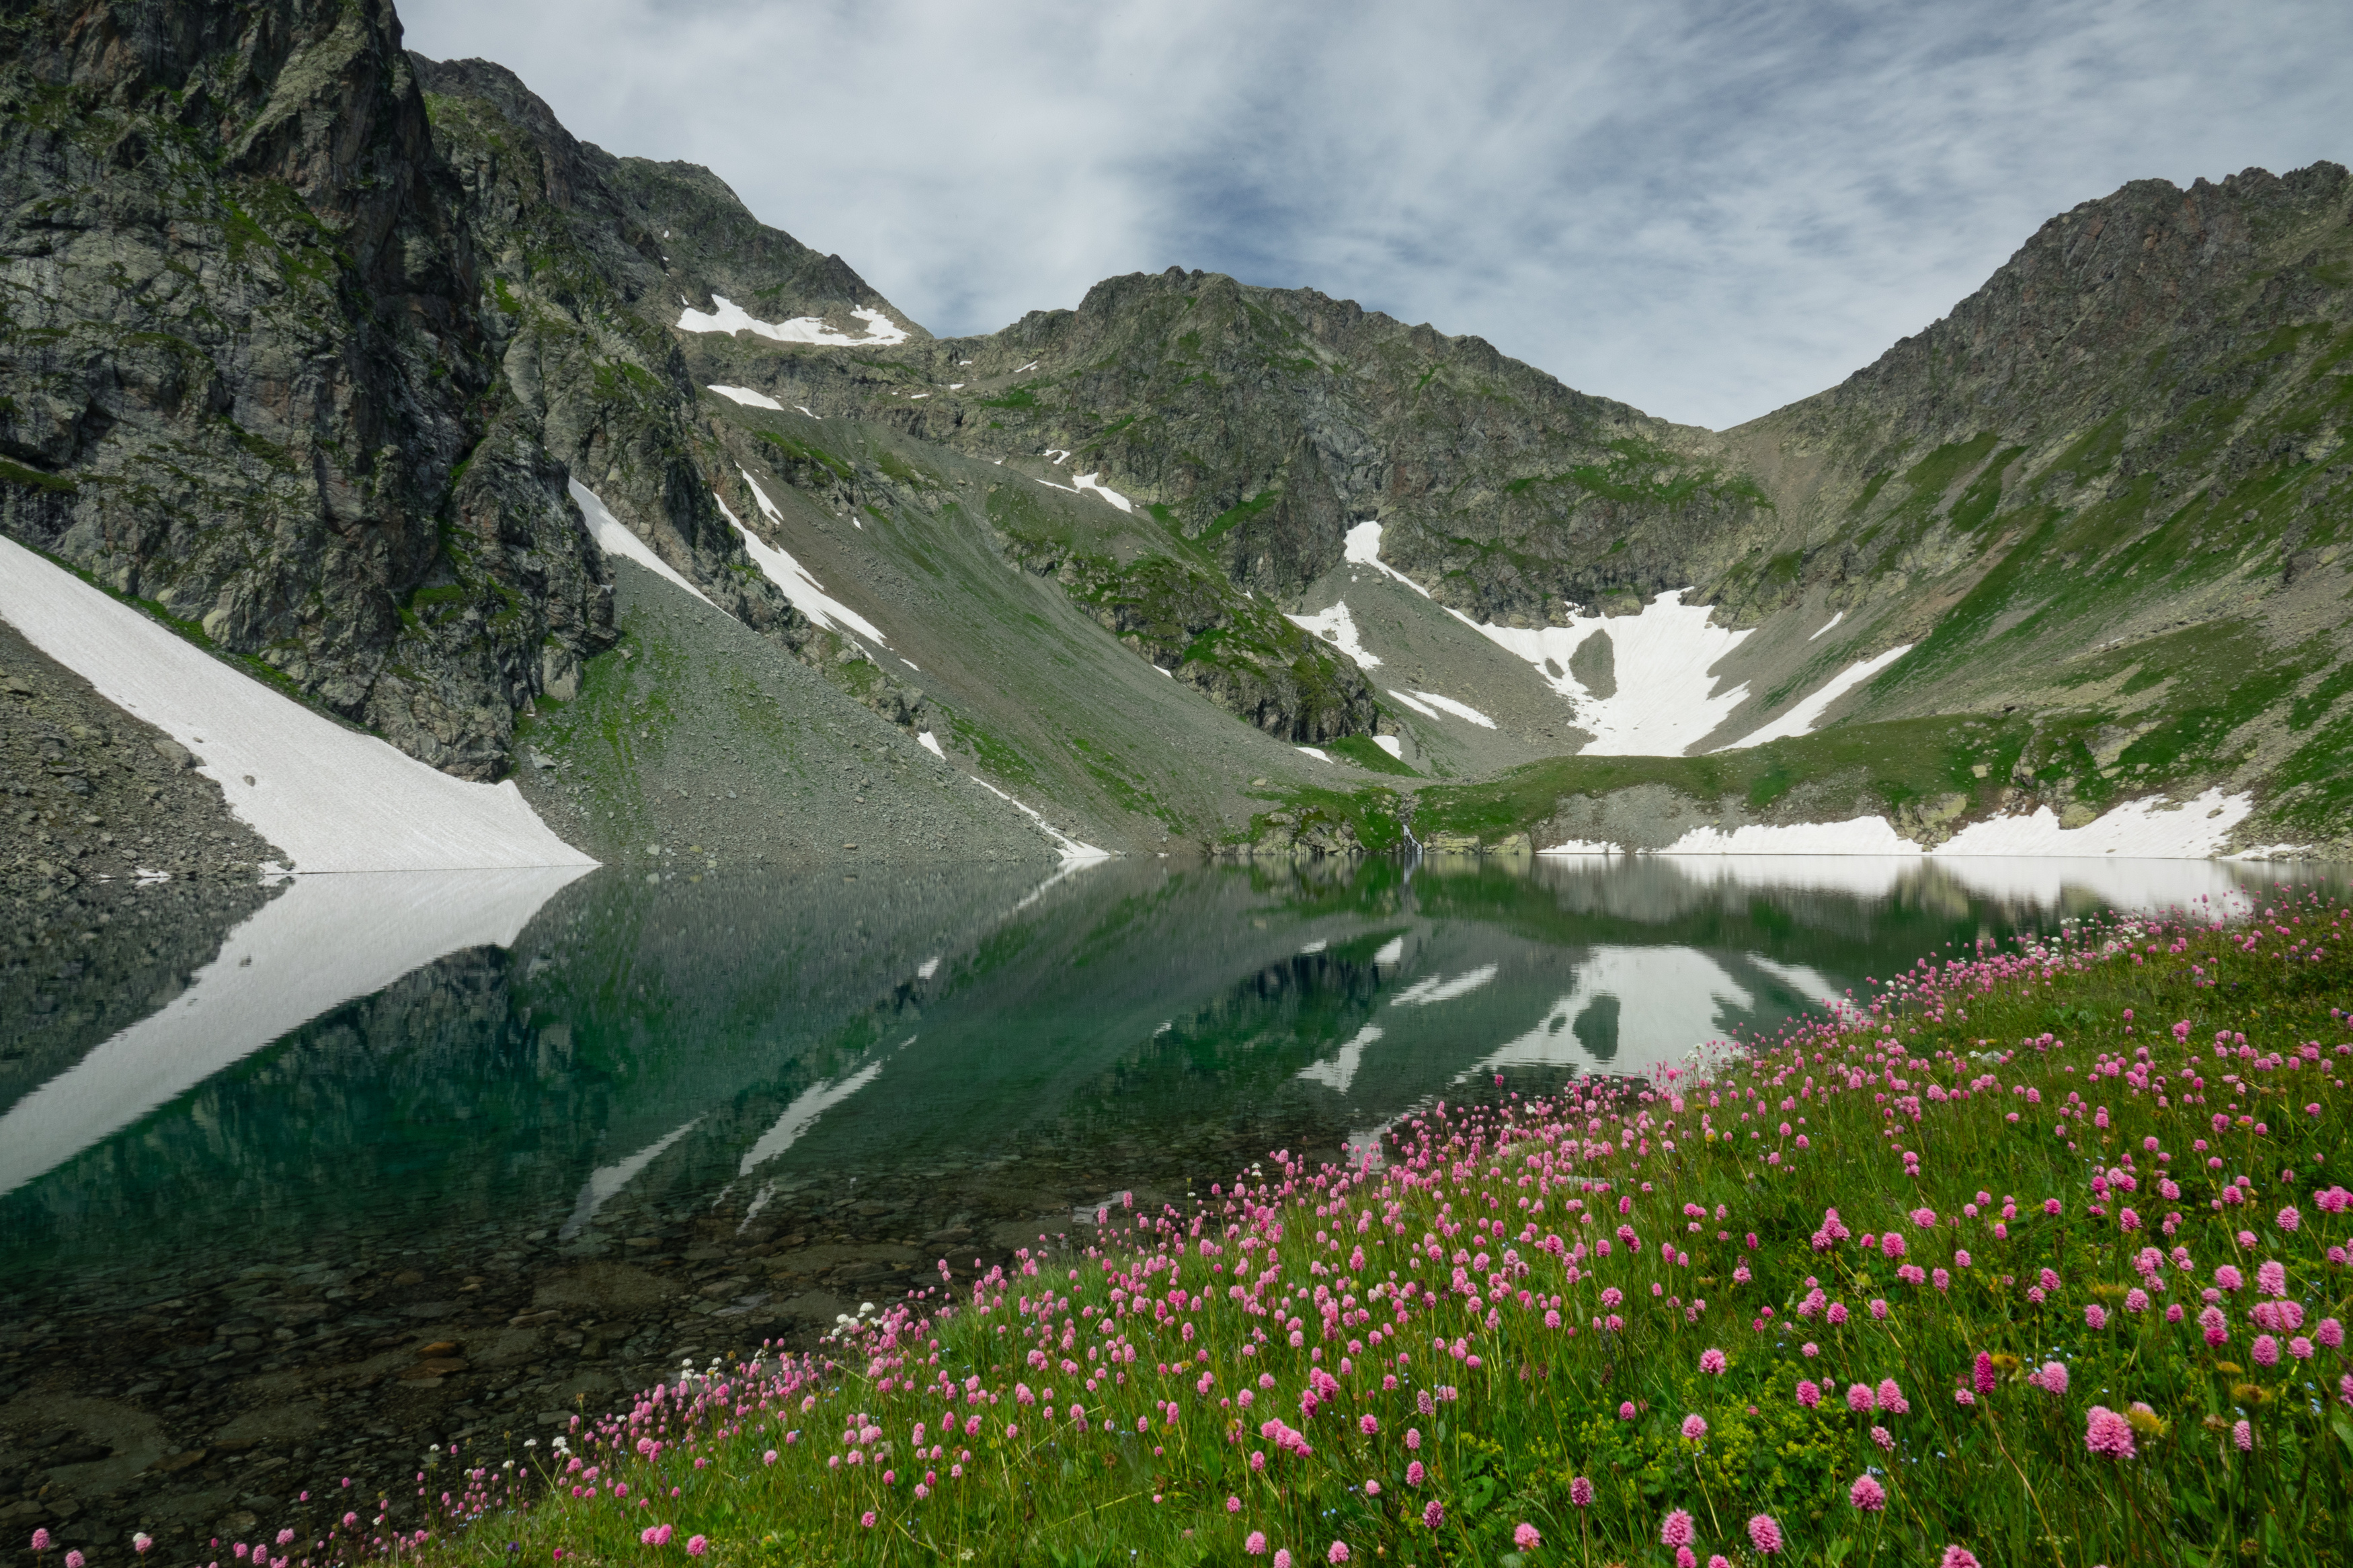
<point>448,1158</point>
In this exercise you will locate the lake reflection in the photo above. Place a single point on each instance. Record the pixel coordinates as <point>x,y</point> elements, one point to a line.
<point>591,1060</point>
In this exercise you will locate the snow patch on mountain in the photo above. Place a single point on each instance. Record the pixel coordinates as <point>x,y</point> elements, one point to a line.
<point>1860,835</point>
<point>1459,710</point>
<point>808,594</point>
<point>1073,851</point>
<point>1085,482</point>
<point>726,316</point>
<point>1667,699</point>
<point>614,538</point>
<point>332,799</point>
<point>747,397</point>
<point>2191,831</point>
<point>1801,718</point>
<point>1337,626</point>
<point>1362,547</point>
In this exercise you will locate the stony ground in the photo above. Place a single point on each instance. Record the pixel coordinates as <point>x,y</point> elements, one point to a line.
<point>92,798</point>
<point>697,745</point>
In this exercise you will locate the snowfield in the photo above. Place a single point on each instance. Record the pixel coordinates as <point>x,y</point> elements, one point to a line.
<point>747,397</point>
<point>2139,829</point>
<point>1666,698</point>
<point>726,316</point>
<point>1337,626</point>
<point>330,799</point>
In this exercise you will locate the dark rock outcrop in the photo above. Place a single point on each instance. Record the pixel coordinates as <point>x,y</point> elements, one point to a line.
<point>247,376</point>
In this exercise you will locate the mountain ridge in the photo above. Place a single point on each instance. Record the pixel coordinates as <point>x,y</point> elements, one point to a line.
<point>2103,498</point>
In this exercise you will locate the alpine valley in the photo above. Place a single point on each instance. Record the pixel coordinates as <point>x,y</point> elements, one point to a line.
<point>358,378</point>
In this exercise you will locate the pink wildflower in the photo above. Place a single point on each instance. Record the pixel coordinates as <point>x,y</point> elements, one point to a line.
<point>1957,1557</point>
<point>1255,1544</point>
<point>1676,1529</point>
<point>2095,1316</point>
<point>1712,1361</point>
<point>2289,1219</point>
<point>696,1545</point>
<point>1694,1427</point>
<point>1765,1533</point>
<point>2271,1276</point>
<point>1414,1473</point>
<point>1282,1557</point>
<point>2108,1433</point>
<point>1525,1537</point>
<point>1867,1494</point>
<point>2243,1435</point>
<point>1337,1554</point>
<point>2265,1350</point>
<point>1433,1515</point>
<point>1984,1372</point>
<point>1809,1392</point>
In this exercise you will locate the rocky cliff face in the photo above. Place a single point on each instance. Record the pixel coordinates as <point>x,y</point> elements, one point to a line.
<point>586,261</point>
<point>247,375</point>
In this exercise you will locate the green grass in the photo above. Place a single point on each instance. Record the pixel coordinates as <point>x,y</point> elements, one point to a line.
<point>1867,1292</point>
<point>802,452</point>
<point>1233,517</point>
<point>1362,751</point>
<point>34,479</point>
<point>1893,763</point>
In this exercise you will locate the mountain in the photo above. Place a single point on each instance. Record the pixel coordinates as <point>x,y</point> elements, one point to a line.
<point>361,371</point>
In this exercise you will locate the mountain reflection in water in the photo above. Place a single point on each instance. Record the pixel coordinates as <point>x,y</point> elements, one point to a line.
<point>395,1055</point>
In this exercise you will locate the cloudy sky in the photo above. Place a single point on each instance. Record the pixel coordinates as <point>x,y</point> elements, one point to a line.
<point>1705,210</point>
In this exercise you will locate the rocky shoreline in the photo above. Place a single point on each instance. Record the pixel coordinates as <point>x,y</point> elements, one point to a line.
<point>212,1409</point>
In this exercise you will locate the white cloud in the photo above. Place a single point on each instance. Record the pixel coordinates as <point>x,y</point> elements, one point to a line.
<point>1704,210</point>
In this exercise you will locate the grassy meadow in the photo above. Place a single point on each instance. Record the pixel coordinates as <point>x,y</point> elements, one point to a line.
<point>2034,1254</point>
